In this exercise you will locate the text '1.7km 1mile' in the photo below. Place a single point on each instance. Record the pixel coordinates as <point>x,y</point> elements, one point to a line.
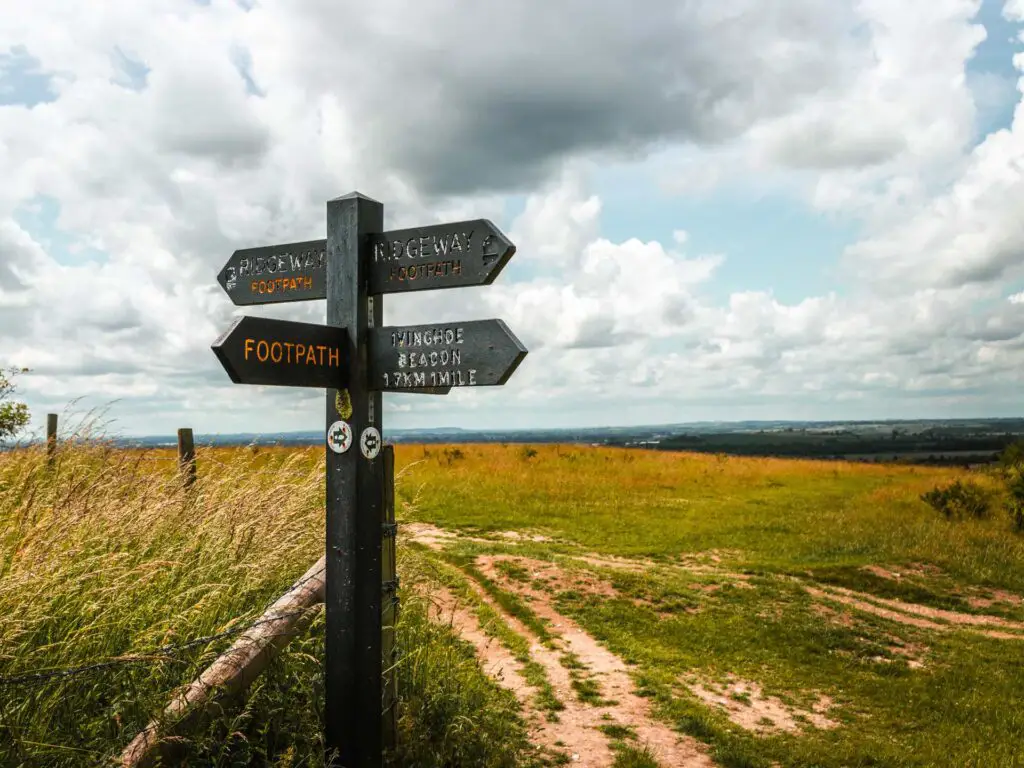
<point>470,354</point>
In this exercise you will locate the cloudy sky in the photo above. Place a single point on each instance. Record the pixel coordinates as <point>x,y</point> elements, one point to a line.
<point>723,210</point>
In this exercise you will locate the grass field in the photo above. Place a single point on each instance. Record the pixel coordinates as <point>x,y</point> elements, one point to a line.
<point>627,607</point>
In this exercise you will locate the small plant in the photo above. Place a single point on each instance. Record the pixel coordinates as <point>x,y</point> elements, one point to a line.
<point>1015,498</point>
<point>1011,467</point>
<point>14,416</point>
<point>959,499</point>
<point>452,455</point>
<point>527,452</point>
<point>1011,460</point>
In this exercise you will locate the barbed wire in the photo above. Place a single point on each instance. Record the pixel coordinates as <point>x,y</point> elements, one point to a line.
<point>160,653</point>
<point>141,658</point>
<point>147,656</point>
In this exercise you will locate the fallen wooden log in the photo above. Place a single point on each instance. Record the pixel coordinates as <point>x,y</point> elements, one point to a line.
<point>233,670</point>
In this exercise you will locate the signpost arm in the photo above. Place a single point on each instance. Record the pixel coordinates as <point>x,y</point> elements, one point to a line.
<point>352,727</point>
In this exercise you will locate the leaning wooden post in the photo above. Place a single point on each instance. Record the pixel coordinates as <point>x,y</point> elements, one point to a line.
<point>186,457</point>
<point>389,614</point>
<point>231,672</point>
<point>51,437</point>
<point>352,654</point>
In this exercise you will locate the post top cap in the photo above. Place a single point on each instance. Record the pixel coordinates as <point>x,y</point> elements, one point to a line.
<point>355,196</point>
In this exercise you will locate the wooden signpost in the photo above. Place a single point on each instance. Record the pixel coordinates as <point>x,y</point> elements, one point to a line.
<point>463,253</point>
<point>355,358</point>
<point>259,350</point>
<point>477,353</point>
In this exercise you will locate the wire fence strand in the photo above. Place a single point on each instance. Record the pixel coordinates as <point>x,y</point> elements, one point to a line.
<point>154,655</point>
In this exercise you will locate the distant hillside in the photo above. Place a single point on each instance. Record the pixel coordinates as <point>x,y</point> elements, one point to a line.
<point>958,441</point>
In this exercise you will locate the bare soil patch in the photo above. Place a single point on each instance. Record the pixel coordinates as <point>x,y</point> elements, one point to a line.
<point>519,536</point>
<point>622,563</point>
<point>495,660</point>
<point>572,733</point>
<point>437,538</point>
<point>914,653</point>
<point>746,705</point>
<point>619,704</point>
<point>701,564</point>
<point>553,576</point>
<point>920,616</point>
<point>708,557</point>
<point>863,605</point>
<point>427,534</point>
<point>881,572</point>
<point>996,598</point>
<point>952,617</point>
<point>843,618</point>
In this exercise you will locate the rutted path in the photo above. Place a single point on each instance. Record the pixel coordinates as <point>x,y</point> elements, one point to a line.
<point>574,731</point>
<point>908,614</point>
<point>619,705</point>
<point>595,686</point>
<point>577,730</point>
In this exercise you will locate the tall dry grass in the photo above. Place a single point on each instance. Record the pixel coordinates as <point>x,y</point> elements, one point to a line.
<point>106,559</point>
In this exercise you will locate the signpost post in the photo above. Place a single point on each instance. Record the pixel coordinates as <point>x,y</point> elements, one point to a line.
<point>355,358</point>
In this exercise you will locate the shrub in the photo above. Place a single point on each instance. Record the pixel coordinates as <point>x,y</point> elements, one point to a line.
<point>527,452</point>
<point>960,499</point>
<point>453,454</point>
<point>1015,506</point>
<point>1015,499</point>
<point>1011,462</point>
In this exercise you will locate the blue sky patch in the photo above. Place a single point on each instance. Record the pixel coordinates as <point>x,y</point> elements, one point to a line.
<point>22,81</point>
<point>990,72</point>
<point>40,219</point>
<point>131,73</point>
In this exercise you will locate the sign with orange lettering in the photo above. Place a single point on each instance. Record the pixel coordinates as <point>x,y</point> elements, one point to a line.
<point>276,273</point>
<point>453,255</point>
<point>260,350</point>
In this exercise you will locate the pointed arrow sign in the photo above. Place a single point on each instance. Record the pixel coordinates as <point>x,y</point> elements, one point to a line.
<point>259,350</point>
<point>276,273</point>
<point>477,353</point>
<point>455,255</point>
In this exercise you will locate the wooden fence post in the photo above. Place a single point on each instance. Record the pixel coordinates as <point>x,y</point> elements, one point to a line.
<point>389,603</point>
<point>51,437</point>
<point>186,457</point>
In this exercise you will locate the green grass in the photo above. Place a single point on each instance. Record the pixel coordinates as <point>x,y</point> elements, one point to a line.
<point>104,556</point>
<point>785,523</point>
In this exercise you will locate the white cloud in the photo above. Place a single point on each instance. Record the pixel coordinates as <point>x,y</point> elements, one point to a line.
<point>861,105</point>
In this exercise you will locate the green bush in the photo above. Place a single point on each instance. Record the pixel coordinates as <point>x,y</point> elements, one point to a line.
<point>1015,499</point>
<point>453,454</point>
<point>1011,462</point>
<point>959,499</point>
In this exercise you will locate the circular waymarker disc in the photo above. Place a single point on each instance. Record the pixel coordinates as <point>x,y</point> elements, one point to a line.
<point>369,442</point>
<point>339,436</point>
